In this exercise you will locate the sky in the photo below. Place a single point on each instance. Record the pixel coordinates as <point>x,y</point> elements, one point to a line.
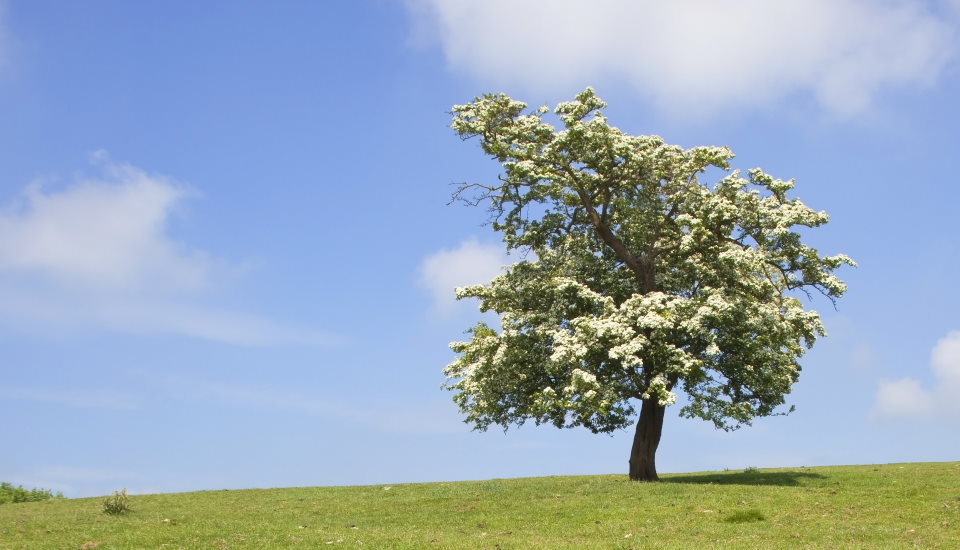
<point>227,253</point>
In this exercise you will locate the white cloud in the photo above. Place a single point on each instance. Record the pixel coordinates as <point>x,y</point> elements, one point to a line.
<point>945,358</point>
<point>946,368</point>
<point>101,234</point>
<point>906,397</point>
<point>95,254</point>
<point>902,398</point>
<point>467,264</point>
<point>697,56</point>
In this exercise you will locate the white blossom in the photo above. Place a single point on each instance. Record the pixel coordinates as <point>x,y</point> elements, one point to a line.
<point>585,332</point>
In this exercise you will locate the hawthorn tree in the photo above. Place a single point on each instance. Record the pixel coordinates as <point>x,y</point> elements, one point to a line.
<point>639,280</point>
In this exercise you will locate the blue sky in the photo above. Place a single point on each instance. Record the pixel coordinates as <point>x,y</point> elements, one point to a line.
<point>227,257</point>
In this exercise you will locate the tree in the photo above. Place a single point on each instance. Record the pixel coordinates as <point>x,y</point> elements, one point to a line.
<point>638,280</point>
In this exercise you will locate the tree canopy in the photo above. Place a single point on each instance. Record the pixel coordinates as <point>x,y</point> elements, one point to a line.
<point>639,280</point>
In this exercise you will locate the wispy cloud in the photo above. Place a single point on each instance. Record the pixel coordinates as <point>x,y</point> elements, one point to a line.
<point>423,418</point>
<point>72,397</point>
<point>55,311</point>
<point>4,36</point>
<point>698,56</point>
<point>863,357</point>
<point>468,263</point>
<point>907,398</point>
<point>95,254</point>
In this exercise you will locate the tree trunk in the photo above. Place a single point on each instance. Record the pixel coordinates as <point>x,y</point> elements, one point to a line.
<point>643,466</point>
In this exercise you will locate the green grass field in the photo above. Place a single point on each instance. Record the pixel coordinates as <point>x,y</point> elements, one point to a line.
<point>886,506</point>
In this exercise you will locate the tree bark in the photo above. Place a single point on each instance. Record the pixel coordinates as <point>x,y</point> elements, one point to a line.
<point>646,439</point>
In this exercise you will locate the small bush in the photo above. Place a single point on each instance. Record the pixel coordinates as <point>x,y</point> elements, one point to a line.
<point>745,516</point>
<point>117,503</point>
<point>9,493</point>
<point>751,470</point>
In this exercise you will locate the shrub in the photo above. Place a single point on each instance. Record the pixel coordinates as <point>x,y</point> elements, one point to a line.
<point>117,503</point>
<point>9,493</point>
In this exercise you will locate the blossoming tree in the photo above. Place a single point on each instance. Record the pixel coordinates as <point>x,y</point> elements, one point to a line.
<point>642,281</point>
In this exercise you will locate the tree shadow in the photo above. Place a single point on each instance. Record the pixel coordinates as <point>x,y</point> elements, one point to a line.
<point>783,478</point>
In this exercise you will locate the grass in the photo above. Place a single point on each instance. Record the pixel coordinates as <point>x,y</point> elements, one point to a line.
<point>888,506</point>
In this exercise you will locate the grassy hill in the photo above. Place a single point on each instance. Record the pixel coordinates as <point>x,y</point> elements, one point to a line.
<point>884,506</point>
